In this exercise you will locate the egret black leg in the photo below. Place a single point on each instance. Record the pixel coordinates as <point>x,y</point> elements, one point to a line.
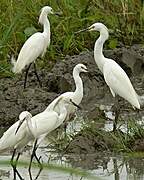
<point>40,165</point>
<point>32,156</point>
<point>116,112</point>
<point>38,160</point>
<point>12,163</point>
<point>15,164</point>
<point>26,75</point>
<point>65,128</point>
<point>35,71</point>
<point>66,124</point>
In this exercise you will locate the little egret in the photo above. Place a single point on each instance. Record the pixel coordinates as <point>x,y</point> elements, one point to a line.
<point>10,140</point>
<point>36,128</point>
<point>115,77</point>
<point>34,47</point>
<point>76,96</point>
<point>43,123</point>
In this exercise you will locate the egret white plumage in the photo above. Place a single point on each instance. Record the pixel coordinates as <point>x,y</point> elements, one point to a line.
<point>115,77</point>
<point>10,140</point>
<point>32,128</point>
<point>35,46</point>
<point>76,96</point>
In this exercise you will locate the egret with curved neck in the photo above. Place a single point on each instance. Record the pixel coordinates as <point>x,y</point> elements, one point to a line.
<point>34,47</point>
<point>76,96</point>
<point>115,77</point>
<point>98,48</point>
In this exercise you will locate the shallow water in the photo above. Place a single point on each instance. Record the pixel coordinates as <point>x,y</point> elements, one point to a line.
<point>103,165</point>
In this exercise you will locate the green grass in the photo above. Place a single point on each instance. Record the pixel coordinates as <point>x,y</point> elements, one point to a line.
<point>19,19</point>
<point>117,141</point>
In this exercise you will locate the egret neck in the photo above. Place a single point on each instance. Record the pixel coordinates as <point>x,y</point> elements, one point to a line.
<point>46,26</point>
<point>30,127</point>
<point>78,93</point>
<point>98,48</point>
<point>46,30</point>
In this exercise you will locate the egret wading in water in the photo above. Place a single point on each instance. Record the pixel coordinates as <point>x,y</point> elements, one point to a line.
<point>34,47</point>
<point>115,77</point>
<point>29,128</point>
<point>43,123</point>
<point>75,96</point>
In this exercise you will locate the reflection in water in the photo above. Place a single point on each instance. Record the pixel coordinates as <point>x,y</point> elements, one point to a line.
<point>110,167</point>
<point>103,165</point>
<point>135,168</point>
<point>4,173</point>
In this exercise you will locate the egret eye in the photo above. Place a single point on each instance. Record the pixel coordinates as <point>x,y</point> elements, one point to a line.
<point>52,12</point>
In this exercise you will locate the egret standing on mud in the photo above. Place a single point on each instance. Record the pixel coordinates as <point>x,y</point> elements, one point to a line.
<point>76,96</point>
<point>29,128</point>
<point>115,77</point>
<point>34,47</point>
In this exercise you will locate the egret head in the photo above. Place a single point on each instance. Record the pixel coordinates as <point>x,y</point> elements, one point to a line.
<point>44,12</point>
<point>80,68</point>
<point>47,10</point>
<point>25,115</point>
<point>97,27</point>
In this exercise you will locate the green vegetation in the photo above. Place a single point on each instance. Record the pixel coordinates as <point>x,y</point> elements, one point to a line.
<point>129,141</point>
<point>19,19</point>
<point>100,140</point>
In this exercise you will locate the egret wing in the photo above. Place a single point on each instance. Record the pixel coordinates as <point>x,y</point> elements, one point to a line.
<point>10,139</point>
<point>44,122</point>
<point>70,108</point>
<point>119,83</point>
<point>31,49</point>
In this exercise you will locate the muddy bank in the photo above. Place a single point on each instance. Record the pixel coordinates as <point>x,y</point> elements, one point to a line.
<point>14,99</point>
<point>92,139</point>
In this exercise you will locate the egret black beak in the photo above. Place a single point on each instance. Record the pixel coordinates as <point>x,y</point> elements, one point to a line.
<point>83,30</point>
<point>85,69</point>
<point>75,104</point>
<point>20,123</point>
<point>58,13</point>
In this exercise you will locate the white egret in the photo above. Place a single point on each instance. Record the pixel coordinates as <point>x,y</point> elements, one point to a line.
<point>36,128</point>
<point>115,77</point>
<point>35,46</point>
<point>10,140</point>
<point>76,96</point>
